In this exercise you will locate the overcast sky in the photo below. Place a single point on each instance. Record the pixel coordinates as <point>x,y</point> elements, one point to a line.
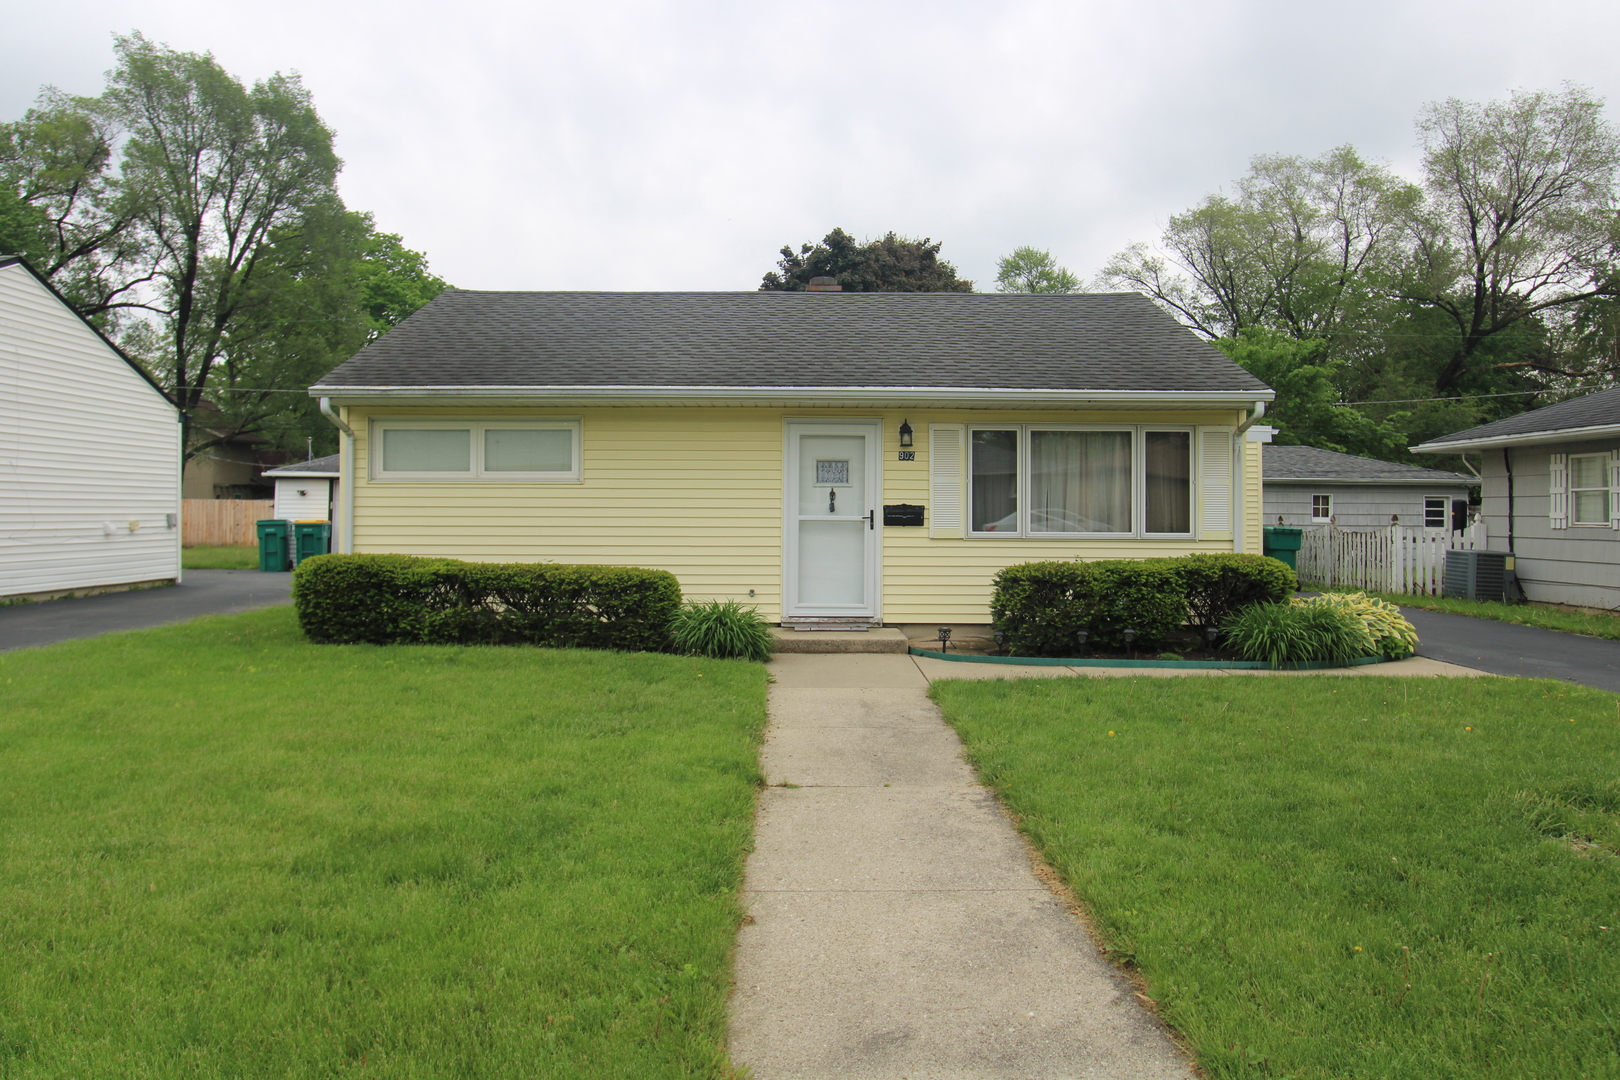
<point>678,145</point>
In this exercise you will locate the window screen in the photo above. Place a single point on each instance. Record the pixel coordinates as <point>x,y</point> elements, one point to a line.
<point>1168,455</point>
<point>995,481</point>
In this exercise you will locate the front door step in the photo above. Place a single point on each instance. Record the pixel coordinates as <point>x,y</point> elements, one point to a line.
<point>873,639</point>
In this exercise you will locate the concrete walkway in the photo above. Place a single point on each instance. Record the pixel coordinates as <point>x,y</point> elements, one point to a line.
<point>203,592</point>
<point>897,927</point>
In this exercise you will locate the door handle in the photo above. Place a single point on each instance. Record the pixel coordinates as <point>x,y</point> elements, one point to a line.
<point>870,519</point>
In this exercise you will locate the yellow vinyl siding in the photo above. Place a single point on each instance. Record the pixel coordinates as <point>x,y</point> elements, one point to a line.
<point>698,492</point>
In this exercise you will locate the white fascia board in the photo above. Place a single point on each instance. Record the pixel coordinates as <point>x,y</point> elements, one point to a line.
<point>1457,481</point>
<point>1600,431</point>
<point>720,395</point>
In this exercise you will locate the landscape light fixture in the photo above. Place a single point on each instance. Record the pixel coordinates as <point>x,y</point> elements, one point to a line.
<point>1211,632</point>
<point>1083,636</point>
<point>1001,639</point>
<point>1130,640</point>
<point>944,639</point>
<point>905,433</point>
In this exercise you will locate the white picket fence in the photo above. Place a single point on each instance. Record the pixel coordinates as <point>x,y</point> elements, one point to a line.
<point>1395,559</point>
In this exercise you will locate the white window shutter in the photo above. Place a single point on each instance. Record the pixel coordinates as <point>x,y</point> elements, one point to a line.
<point>1214,483</point>
<point>945,452</point>
<point>1614,489</point>
<point>1558,491</point>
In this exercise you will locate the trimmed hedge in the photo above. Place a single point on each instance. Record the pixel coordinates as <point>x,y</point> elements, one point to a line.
<point>400,599</point>
<point>1042,606</point>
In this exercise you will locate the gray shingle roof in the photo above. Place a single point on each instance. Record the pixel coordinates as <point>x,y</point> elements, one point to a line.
<point>1600,409</point>
<point>1281,463</point>
<point>1107,341</point>
<point>321,466</point>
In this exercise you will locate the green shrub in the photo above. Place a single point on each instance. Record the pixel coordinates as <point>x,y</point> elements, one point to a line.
<point>1218,586</point>
<point>400,599</point>
<point>1042,606</point>
<point>1295,633</point>
<point>722,629</point>
<point>1392,635</point>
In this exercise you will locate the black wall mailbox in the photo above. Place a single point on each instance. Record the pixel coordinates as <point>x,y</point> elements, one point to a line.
<point>902,514</point>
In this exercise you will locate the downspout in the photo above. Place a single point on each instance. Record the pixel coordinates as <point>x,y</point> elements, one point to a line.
<point>1507,463</point>
<point>1238,458</point>
<point>345,476</point>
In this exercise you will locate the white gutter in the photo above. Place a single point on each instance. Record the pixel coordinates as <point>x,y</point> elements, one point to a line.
<point>345,539</point>
<point>1496,442</point>
<point>1238,455</point>
<point>922,395</point>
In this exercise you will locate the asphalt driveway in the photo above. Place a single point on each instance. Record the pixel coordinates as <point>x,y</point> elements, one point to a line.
<point>204,592</point>
<point>1508,649</point>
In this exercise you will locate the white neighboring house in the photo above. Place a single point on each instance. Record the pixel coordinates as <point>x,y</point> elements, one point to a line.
<point>306,491</point>
<point>1307,487</point>
<point>89,453</point>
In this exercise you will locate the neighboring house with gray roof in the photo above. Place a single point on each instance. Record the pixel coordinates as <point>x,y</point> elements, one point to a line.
<point>1305,486</point>
<point>1551,495</point>
<point>823,455</point>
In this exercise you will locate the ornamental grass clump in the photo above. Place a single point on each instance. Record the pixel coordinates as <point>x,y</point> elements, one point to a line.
<point>722,630</point>
<point>1392,635</point>
<point>1282,634</point>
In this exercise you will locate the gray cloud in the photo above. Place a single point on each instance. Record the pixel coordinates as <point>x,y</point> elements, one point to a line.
<point>678,145</point>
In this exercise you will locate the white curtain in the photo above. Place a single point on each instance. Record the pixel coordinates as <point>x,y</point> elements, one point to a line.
<point>1080,481</point>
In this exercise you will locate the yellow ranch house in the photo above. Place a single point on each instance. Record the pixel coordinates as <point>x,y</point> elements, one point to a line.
<point>830,457</point>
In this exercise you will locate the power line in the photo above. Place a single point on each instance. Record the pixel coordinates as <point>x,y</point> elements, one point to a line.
<point>1472,397</point>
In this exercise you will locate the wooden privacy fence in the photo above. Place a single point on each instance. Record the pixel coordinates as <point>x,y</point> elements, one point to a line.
<point>222,522</point>
<point>1395,559</point>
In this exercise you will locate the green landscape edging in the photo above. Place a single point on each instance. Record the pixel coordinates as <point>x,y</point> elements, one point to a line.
<point>1048,661</point>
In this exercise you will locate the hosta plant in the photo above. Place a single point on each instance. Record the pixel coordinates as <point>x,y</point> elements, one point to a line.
<point>1392,635</point>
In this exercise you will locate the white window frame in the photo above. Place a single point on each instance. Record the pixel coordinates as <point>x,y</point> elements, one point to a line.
<point>1327,517</point>
<point>476,428</point>
<point>1138,530</point>
<point>1603,486</point>
<point>1445,511</point>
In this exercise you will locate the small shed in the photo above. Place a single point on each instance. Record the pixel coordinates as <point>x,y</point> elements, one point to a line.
<point>306,491</point>
<point>1305,486</point>
<point>89,453</point>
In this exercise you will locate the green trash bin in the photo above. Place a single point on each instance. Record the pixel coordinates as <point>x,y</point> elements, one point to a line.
<point>274,555</point>
<point>311,538</point>
<point>1282,542</point>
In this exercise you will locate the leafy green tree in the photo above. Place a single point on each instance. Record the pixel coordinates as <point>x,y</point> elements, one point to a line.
<point>394,281</point>
<point>1299,249</point>
<point>65,208</point>
<point>1308,409</point>
<point>1519,222</point>
<point>891,264</point>
<point>1030,270</point>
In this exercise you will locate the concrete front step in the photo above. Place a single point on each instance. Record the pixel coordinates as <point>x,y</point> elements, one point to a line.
<point>879,639</point>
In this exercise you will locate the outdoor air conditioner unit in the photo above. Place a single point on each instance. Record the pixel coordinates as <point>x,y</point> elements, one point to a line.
<point>1478,575</point>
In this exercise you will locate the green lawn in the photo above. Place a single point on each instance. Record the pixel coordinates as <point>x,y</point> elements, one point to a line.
<point>1329,877</point>
<point>1548,618</point>
<point>219,558</point>
<point>229,853</point>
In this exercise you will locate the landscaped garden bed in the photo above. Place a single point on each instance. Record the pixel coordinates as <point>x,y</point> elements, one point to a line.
<point>229,852</point>
<point>1322,877</point>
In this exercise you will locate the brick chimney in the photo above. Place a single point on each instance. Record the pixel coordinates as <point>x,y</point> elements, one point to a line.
<point>823,284</point>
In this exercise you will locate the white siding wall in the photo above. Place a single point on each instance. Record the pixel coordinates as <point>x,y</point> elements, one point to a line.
<point>313,505</point>
<point>84,442</point>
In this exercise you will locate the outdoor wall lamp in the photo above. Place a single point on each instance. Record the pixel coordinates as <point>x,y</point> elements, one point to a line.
<point>944,639</point>
<point>905,433</point>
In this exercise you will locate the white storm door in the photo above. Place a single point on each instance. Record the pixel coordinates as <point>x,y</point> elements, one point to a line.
<point>830,527</point>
